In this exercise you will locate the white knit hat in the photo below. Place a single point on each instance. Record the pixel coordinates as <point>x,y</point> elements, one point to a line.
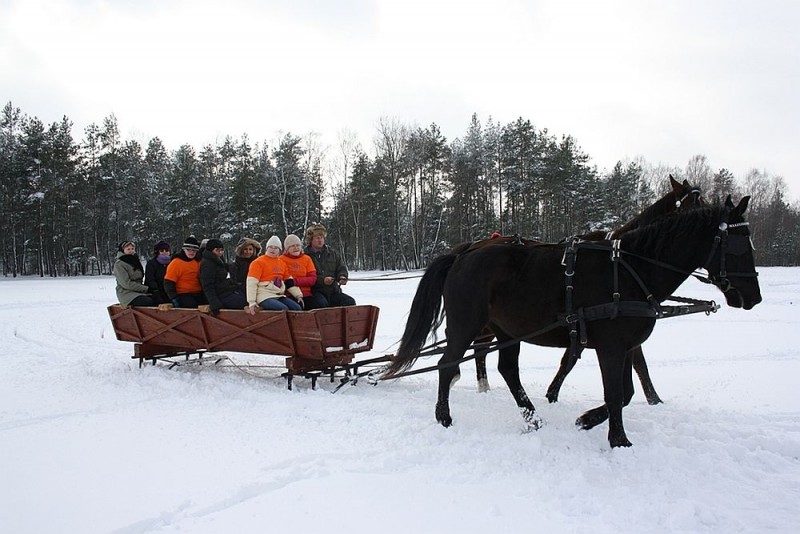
<point>274,241</point>
<point>290,240</point>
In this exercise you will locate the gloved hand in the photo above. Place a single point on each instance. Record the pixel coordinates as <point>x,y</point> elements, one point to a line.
<point>176,303</point>
<point>278,282</point>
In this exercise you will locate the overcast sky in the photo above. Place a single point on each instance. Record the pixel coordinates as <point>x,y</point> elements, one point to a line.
<point>660,79</point>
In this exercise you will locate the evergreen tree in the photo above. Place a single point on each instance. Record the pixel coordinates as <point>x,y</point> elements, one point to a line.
<point>390,143</point>
<point>722,184</point>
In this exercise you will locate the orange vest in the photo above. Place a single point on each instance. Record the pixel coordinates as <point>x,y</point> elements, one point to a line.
<point>302,270</point>
<point>185,274</point>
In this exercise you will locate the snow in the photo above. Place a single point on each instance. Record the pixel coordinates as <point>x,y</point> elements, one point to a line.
<point>91,443</point>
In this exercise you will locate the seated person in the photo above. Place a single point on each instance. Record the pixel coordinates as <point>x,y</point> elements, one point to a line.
<point>301,268</point>
<point>268,281</point>
<point>156,268</point>
<point>219,289</point>
<point>331,270</point>
<point>182,280</point>
<point>129,273</point>
<point>246,251</point>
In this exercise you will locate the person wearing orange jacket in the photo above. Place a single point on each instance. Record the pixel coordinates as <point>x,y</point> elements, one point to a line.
<point>302,269</point>
<point>268,282</point>
<point>182,280</point>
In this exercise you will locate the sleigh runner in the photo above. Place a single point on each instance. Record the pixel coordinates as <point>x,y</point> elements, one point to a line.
<point>313,341</point>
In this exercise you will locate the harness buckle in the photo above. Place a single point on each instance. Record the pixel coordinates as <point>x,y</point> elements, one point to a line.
<point>615,250</point>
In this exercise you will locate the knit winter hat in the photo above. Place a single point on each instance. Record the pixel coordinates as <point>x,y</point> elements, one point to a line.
<point>291,240</point>
<point>161,245</point>
<point>191,242</point>
<point>214,243</point>
<point>274,241</point>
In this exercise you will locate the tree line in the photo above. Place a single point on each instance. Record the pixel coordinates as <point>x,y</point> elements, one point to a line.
<point>66,203</point>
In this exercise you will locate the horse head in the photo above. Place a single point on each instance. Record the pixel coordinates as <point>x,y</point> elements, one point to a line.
<point>730,264</point>
<point>686,195</point>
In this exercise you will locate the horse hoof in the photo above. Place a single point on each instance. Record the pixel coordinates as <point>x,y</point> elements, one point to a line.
<point>592,418</point>
<point>443,415</point>
<point>620,442</point>
<point>483,385</point>
<point>652,401</point>
<point>551,398</point>
<point>532,421</point>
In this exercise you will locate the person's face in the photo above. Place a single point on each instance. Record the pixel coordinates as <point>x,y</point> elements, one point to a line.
<point>130,248</point>
<point>294,250</point>
<point>273,252</point>
<point>190,252</point>
<point>163,252</point>
<point>248,251</point>
<point>318,241</point>
<point>218,252</point>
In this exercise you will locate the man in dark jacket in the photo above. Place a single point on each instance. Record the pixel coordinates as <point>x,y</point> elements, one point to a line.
<point>331,272</point>
<point>220,290</point>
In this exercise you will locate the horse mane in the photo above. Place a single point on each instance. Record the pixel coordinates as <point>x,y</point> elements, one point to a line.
<point>663,206</point>
<point>651,213</point>
<point>652,239</point>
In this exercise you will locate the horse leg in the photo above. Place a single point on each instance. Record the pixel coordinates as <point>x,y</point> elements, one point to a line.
<point>448,375</point>
<point>480,365</point>
<point>481,375</point>
<point>508,365</point>
<point>640,366</point>
<point>615,367</point>
<point>567,363</point>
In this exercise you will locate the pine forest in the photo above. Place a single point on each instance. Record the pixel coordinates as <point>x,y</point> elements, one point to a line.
<point>411,195</point>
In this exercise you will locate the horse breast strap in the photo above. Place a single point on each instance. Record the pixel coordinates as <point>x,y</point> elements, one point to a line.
<point>576,320</point>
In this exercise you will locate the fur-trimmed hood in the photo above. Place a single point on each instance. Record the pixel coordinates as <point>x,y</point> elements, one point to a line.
<point>247,241</point>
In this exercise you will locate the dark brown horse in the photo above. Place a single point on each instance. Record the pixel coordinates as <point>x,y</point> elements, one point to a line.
<point>520,293</point>
<point>681,196</point>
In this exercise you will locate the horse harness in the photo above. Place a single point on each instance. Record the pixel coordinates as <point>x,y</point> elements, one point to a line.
<point>575,319</point>
<point>724,244</point>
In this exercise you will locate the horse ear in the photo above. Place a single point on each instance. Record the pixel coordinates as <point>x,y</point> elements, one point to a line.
<point>740,209</point>
<point>728,202</point>
<point>676,186</point>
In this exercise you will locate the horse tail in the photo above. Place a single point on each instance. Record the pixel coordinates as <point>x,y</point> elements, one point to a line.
<point>425,315</point>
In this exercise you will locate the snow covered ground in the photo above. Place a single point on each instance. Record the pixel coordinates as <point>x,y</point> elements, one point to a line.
<point>91,443</point>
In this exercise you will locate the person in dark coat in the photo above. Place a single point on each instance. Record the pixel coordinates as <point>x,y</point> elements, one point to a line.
<point>219,288</point>
<point>156,268</point>
<point>246,251</point>
<point>331,271</point>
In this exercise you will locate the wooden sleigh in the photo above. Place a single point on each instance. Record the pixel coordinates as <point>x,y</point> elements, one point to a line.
<point>314,341</point>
